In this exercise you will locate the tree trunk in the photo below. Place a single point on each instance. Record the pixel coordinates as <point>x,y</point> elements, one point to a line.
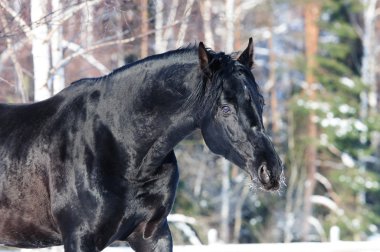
<point>230,18</point>
<point>272,83</point>
<point>368,70</point>
<point>40,50</point>
<point>225,209</point>
<point>168,36</point>
<point>144,28</point>
<point>158,24</point>
<point>238,213</point>
<point>58,79</point>
<point>207,26</point>
<point>295,189</point>
<point>311,11</point>
<point>185,23</point>
<point>18,68</point>
<point>237,27</point>
<point>88,20</point>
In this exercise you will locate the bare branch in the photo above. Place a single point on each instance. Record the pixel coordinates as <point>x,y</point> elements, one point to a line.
<point>238,214</point>
<point>326,202</point>
<point>206,16</point>
<point>245,6</point>
<point>6,82</point>
<point>171,18</point>
<point>23,25</point>
<point>4,56</point>
<point>318,227</point>
<point>158,24</point>
<point>183,28</point>
<point>89,58</point>
<point>68,13</point>
<point>326,183</point>
<point>18,68</point>
<point>108,43</point>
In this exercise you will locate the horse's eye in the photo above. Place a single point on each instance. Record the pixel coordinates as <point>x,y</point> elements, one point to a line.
<point>226,110</point>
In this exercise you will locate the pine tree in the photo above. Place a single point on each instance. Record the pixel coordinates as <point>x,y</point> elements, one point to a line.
<point>345,130</point>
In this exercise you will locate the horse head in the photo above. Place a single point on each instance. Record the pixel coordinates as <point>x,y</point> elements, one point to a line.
<point>233,126</point>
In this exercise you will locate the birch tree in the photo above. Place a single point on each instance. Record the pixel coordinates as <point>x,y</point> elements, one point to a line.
<point>369,67</point>
<point>230,20</point>
<point>58,79</point>
<point>369,14</point>
<point>205,7</point>
<point>158,24</point>
<point>40,49</point>
<point>17,66</point>
<point>185,23</point>
<point>225,206</point>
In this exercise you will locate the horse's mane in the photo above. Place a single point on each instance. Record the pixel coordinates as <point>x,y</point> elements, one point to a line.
<point>173,54</point>
<point>184,55</point>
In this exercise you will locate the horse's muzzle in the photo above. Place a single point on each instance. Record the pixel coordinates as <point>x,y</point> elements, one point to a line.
<point>267,179</point>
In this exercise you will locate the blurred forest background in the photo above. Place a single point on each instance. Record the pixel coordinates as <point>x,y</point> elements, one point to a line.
<point>317,63</point>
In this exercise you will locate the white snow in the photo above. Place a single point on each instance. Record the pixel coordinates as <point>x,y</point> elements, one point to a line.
<point>347,160</point>
<point>314,105</point>
<point>325,201</point>
<point>347,82</point>
<point>344,108</point>
<point>360,126</point>
<point>372,184</point>
<point>341,246</point>
<point>181,218</point>
<point>343,126</point>
<point>324,139</point>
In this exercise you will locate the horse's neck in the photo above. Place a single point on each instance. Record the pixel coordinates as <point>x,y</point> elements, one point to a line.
<point>156,101</point>
<point>174,121</point>
<point>161,147</point>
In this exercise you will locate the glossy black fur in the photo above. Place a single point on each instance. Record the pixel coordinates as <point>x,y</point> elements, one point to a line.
<point>95,163</point>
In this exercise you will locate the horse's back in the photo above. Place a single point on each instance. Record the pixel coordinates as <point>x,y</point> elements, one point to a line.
<point>21,125</point>
<point>24,189</point>
<point>33,140</point>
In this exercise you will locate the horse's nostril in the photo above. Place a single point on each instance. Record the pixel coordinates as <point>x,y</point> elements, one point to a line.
<point>264,174</point>
<point>276,186</point>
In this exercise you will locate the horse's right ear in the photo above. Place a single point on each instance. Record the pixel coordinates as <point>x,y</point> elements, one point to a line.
<point>246,58</point>
<point>204,59</point>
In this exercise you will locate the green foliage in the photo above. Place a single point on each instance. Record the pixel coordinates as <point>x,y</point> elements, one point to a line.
<point>342,124</point>
<point>184,203</point>
<point>344,131</point>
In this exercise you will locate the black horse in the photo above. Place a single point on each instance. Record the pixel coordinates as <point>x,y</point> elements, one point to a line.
<point>95,163</point>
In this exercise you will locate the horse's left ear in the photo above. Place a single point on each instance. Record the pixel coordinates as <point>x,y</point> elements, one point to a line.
<point>204,59</point>
<point>246,58</point>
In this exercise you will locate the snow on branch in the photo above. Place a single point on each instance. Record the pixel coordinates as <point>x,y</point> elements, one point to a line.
<point>326,202</point>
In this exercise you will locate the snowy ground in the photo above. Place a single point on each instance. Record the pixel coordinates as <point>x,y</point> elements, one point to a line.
<point>290,247</point>
<point>278,247</point>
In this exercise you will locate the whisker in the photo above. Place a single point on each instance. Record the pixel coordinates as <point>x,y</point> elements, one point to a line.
<point>256,186</point>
